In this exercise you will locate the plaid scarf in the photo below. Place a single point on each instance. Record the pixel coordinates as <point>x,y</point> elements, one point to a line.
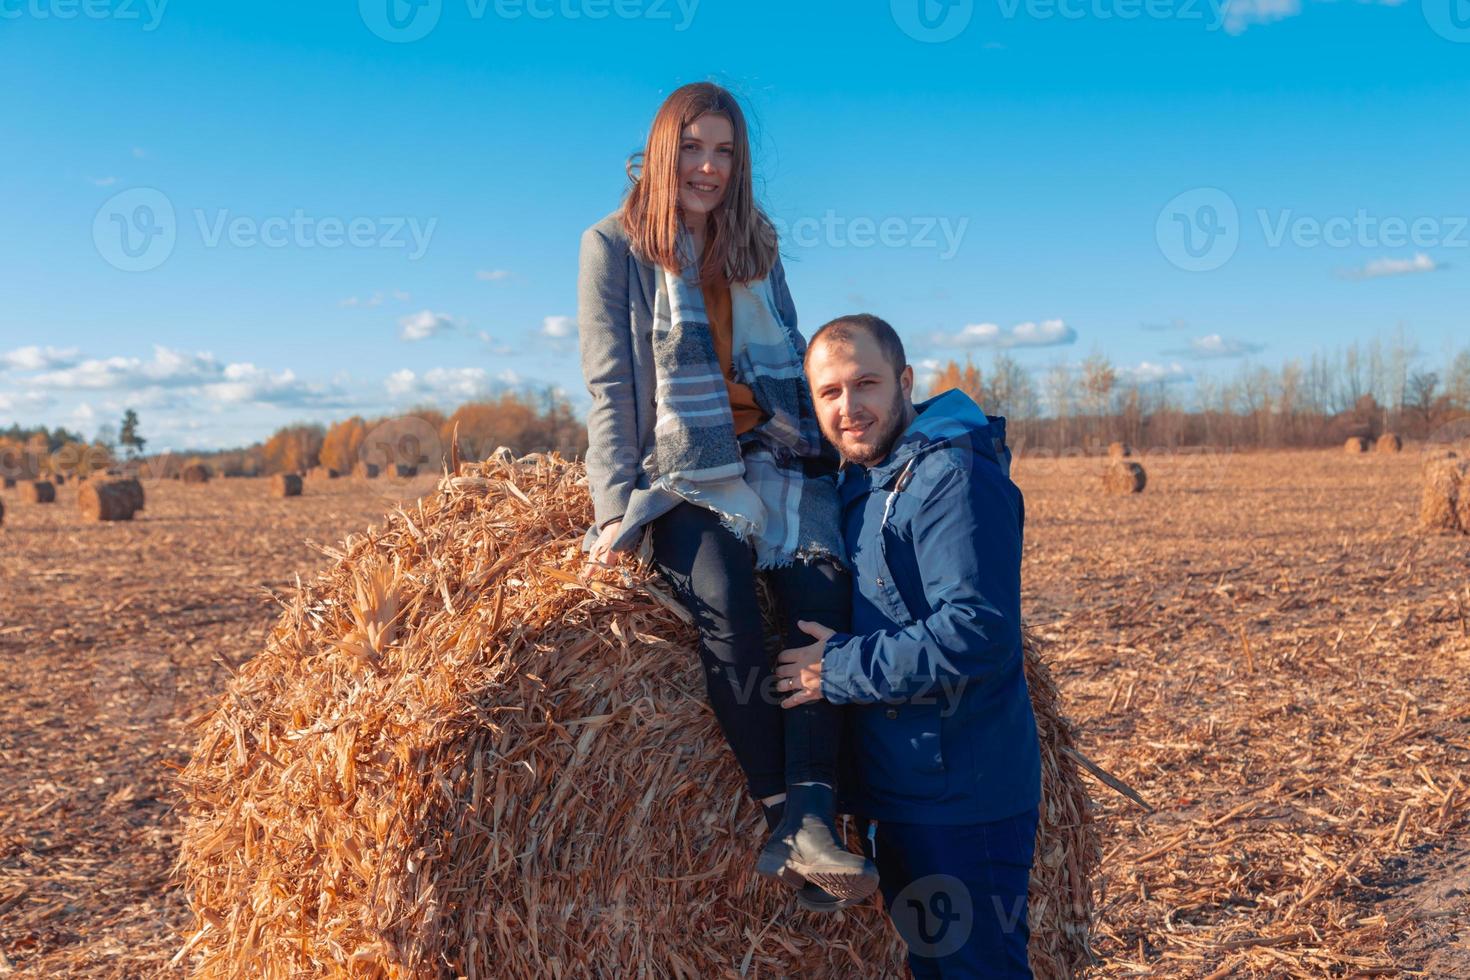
<point>758,483</point>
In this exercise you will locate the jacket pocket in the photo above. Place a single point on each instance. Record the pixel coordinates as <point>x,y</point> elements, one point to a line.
<point>901,751</point>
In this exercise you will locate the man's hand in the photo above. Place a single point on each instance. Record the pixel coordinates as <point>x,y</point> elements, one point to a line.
<point>799,669</point>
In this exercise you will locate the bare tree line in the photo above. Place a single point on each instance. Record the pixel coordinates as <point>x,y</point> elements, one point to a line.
<point>1360,389</point>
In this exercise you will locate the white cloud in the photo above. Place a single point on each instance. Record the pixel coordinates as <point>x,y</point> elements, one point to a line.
<point>1242,14</point>
<point>102,181</point>
<point>1148,372</point>
<point>18,402</point>
<point>169,368</point>
<point>1047,333</point>
<point>440,384</point>
<point>34,358</point>
<point>376,299</point>
<point>83,413</point>
<point>493,275</point>
<point>1379,268</point>
<point>425,324</point>
<point>177,380</point>
<point>139,153</point>
<point>558,327</point>
<point>1214,346</point>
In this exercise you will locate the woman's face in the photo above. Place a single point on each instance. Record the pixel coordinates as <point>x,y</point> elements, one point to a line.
<point>706,157</point>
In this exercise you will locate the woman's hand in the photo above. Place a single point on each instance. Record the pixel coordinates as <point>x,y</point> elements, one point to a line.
<point>601,555</point>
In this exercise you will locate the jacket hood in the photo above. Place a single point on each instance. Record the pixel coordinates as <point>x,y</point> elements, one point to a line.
<point>947,419</point>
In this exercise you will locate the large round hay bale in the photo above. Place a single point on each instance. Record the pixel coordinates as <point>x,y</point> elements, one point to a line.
<point>132,485</point>
<point>1356,445</point>
<point>38,491</point>
<point>1124,476</point>
<point>107,500</point>
<point>1443,502</point>
<point>9,483</point>
<point>368,471</point>
<point>1390,442</point>
<point>1120,450</point>
<point>404,471</point>
<point>195,473</point>
<point>456,758</point>
<point>286,485</point>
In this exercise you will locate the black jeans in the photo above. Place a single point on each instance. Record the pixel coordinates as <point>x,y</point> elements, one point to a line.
<point>713,576</point>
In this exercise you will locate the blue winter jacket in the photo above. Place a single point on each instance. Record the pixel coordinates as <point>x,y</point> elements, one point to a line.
<point>941,722</point>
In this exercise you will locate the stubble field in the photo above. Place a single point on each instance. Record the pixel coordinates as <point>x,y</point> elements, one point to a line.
<point>1264,646</point>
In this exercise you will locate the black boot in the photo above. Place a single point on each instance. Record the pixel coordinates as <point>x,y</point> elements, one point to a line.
<point>809,896</point>
<point>805,844</point>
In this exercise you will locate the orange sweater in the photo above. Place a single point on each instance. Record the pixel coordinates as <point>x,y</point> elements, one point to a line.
<point>743,405</point>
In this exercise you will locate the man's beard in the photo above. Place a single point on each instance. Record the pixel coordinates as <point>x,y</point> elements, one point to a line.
<point>887,429</point>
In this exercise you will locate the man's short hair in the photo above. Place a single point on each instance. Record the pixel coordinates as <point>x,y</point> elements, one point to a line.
<point>844,328</point>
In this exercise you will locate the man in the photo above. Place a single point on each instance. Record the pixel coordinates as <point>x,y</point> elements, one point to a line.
<point>947,762</point>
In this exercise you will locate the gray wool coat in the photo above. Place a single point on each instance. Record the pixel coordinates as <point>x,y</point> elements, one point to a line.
<point>615,298</point>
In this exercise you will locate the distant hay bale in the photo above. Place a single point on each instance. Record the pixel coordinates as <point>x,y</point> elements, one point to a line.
<point>404,471</point>
<point>195,473</point>
<point>367,471</point>
<point>9,482</point>
<point>1120,450</point>
<point>1124,477</point>
<point>106,500</point>
<point>286,485</point>
<point>133,486</point>
<point>1390,442</point>
<point>321,473</point>
<point>2,512</point>
<point>58,478</point>
<point>454,757</point>
<point>1355,445</point>
<point>1445,500</point>
<point>38,492</point>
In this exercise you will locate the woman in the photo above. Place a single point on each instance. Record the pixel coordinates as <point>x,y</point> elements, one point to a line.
<point>702,438</point>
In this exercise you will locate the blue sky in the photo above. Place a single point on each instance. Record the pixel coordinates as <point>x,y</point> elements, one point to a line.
<point>327,214</point>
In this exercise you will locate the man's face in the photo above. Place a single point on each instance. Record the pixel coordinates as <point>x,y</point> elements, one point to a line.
<point>861,406</point>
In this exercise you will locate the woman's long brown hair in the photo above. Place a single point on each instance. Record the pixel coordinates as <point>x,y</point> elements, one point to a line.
<point>741,241</point>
